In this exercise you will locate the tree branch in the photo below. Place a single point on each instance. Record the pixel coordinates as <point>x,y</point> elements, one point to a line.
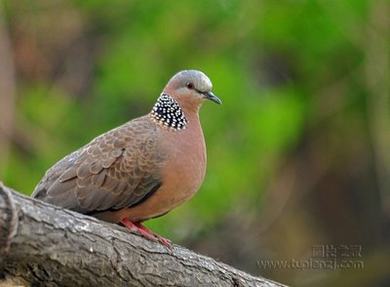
<point>41,244</point>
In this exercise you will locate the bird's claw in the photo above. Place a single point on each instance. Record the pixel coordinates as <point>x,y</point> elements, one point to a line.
<point>145,232</point>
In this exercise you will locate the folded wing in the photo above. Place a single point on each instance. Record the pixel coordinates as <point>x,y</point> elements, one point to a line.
<point>116,170</point>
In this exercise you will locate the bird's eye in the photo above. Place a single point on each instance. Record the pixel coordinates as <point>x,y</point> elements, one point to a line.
<point>190,85</point>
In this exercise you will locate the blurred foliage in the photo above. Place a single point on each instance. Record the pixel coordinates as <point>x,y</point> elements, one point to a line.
<point>140,46</point>
<point>291,74</point>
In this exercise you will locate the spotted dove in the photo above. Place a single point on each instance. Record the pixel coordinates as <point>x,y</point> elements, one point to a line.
<point>141,169</point>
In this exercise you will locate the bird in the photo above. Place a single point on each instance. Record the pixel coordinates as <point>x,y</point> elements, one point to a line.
<point>142,169</point>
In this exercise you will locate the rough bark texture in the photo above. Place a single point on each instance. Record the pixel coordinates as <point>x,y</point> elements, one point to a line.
<point>41,244</point>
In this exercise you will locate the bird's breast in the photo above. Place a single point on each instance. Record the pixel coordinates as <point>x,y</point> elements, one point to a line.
<point>185,166</point>
<point>182,173</point>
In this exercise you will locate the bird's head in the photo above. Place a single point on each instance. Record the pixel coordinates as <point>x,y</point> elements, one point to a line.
<point>190,88</point>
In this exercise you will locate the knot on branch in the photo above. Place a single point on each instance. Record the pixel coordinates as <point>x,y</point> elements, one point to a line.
<point>8,219</point>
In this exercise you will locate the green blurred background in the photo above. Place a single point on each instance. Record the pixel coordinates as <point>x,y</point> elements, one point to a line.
<point>299,153</point>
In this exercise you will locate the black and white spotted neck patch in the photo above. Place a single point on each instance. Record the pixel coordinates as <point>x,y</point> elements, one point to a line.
<point>168,113</point>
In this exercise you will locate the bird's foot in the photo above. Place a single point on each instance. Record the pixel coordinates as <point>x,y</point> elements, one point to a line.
<point>134,227</point>
<point>159,238</point>
<point>145,232</point>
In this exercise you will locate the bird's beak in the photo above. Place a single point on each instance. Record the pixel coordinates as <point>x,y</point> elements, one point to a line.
<point>210,96</point>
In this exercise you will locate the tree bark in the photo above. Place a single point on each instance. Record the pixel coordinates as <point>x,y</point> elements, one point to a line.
<point>44,245</point>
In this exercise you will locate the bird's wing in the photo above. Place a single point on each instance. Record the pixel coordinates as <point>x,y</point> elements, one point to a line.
<point>117,169</point>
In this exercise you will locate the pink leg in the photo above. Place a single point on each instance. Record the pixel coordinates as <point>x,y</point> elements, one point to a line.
<point>135,228</point>
<point>161,239</point>
<point>144,231</point>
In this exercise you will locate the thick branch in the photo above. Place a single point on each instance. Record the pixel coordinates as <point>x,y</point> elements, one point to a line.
<point>46,245</point>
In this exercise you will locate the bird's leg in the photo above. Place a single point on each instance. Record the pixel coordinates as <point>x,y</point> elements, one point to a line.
<point>137,227</point>
<point>161,239</point>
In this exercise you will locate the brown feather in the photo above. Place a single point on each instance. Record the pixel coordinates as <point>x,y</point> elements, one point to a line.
<point>107,172</point>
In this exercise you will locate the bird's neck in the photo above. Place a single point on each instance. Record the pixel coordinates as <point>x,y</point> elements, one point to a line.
<point>168,113</point>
